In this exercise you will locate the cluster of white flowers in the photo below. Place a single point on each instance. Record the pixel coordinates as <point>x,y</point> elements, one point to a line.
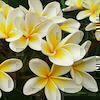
<point>23,27</point>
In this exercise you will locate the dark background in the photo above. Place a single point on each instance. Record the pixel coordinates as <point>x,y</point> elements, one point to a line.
<point>24,74</point>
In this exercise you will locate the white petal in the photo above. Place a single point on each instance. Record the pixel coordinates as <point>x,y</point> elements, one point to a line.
<point>33,6</point>
<point>83,14</point>
<point>67,85</point>
<point>31,20</point>
<point>86,45</point>
<point>52,92</point>
<point>89,83</point>
<point>14,35</point>
<point>75,50</point>
<point>11,65</point>
<point>88,64</point>
<point>35,42</point>
<point>70,25</point>
<point>54,36</point>
<point>51,10</point>
<point>34,85</point>
<point>76,75</point>
<point>6,82</point>
<point>95,16</point>
<point>45,48</point>
<point>72,38</point>
<point>59,70</point>
<point>91,26</point>
<point>39,67</point>
<point>62,58</point>
<point>19,45</point>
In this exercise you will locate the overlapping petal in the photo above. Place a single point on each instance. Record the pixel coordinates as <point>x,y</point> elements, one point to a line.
<point>74,47</point>
<point>51,91</point>
<point>67,85</point>
<point>62,57</point>
<point>19,45</point>
<point>59,70</point>
<point>70,25</point>
<point>88,64</point>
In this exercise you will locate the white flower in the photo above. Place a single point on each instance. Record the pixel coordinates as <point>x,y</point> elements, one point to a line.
<point>62,52</point>
<point>79,73</point>
<point>79,70</point>
<point>51,80</point>
<point>33,29</point>
<point>6,82</point>
<point>92,10</point>
<point>8,30</point>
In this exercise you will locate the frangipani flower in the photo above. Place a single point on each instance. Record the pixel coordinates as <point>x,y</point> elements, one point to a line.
<point>79,70</point>
<point>92,10</point>
<point>51,80</point>
<point>33,29</point>
<point>8,30</point>
<point>6,82</point>
<point>52,11</point>
<point>73,5</point>
<point>94,26</point>
<point>62,52</point>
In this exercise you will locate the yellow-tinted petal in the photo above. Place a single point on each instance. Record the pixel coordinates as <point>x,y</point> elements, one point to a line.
<point>51,91</point>
<point>35,42</point>
<point>54,36</point>
<point>39,67</point>
<point>83,14</point>
<point>59,70</point>
<point>62,57</point>
<point>45,48</point>
<point>11,65</point>
<point>19,45</point>
<point>88,64</point>
<point>70,26</point>
<point>13,35</point>
<point>75,50</point>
